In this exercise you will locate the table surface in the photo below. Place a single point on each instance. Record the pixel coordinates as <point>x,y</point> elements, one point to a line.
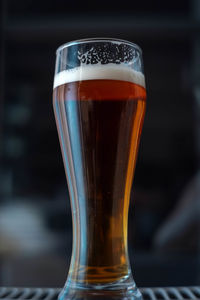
<point>158,293</point>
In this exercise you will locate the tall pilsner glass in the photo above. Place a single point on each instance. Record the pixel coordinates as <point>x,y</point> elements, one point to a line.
<point>99,103</point>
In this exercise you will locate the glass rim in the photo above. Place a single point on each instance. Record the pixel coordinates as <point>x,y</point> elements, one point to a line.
<point>100,40</point>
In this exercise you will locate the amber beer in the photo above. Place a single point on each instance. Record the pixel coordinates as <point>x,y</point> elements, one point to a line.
<point>99,123</point>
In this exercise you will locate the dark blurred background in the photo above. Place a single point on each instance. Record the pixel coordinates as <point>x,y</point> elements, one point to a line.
<point>35,216</point>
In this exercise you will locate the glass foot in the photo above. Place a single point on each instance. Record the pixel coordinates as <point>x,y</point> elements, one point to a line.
<point>121,290</point>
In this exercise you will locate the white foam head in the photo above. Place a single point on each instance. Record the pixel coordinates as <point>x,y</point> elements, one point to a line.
<point>92,72</point>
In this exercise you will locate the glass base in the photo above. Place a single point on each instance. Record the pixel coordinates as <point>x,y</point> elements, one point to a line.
<point>124,289</point>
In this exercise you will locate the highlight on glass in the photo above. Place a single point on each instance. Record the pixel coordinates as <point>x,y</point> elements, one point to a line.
<point>99,101</point>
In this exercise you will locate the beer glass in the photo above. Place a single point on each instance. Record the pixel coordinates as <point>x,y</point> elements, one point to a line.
<point>99,101</point>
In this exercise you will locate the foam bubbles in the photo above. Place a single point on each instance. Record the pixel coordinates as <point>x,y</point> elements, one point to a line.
<point>93,72</point>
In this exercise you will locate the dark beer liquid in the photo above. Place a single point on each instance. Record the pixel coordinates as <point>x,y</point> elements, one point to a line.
<point>99,124</point>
